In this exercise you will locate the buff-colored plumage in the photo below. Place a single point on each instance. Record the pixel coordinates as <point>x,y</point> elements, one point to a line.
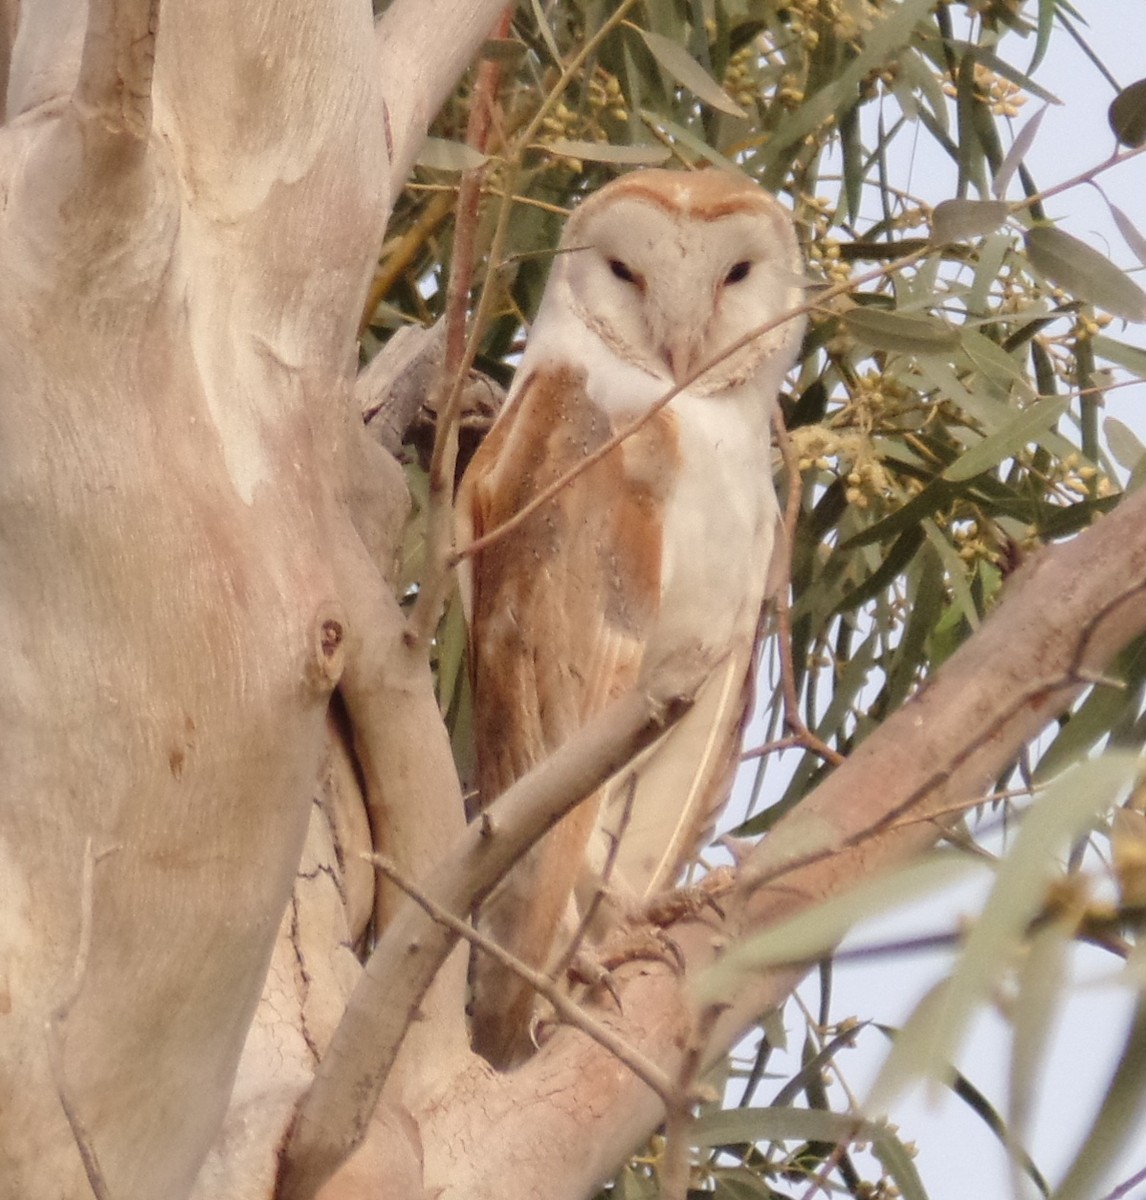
<point>657,555</point>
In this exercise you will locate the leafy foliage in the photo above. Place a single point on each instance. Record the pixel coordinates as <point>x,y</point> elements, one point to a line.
<point>945,420</point>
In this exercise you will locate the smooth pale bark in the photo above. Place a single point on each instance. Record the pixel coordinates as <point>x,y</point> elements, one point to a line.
<point>188,227</point>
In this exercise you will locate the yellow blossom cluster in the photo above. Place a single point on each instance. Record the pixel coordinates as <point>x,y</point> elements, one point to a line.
<point>846,20</point>
<point>603,97</point>
<point>825,253</point>
<point>848,454</point>
<point>1077,476</point>
<point>741,79</point>
<point>1003,97</point>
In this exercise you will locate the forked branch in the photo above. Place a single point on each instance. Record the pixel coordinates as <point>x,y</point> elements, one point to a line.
<point>336,1111</point>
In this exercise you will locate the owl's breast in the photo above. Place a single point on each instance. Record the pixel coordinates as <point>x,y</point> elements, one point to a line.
<point>718,528</point>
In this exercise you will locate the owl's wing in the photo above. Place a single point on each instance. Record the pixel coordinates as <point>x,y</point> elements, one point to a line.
<point>559,612</point>
<point>666,814</point>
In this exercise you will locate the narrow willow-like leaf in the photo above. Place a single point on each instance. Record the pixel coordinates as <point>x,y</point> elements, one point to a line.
<point>899,331</point>
<point>811,934</point>
<point>1123,443</point>
<point>1042,975</point>
<point>958,220</point>
<point>606,152</point>
<point>996,367</point>
<point>441,155</point>
<point>1008,441</point>
<point>688,139</point>
<point>891,33</point>
<point>1042,36</point>
<point>1122,354</point>
<point>1087,726</point>
<point>1118,1119</point>
<point>778,1123</point>
<point>546,32</point>
<point>1020,148</point>
<point>963,601</point>
<point>1001,67</point>
<point>897,1161</point>
<point>1130,234</point>
<point>677,61</point>
<point>1082,271</point>
<point>926,1046</point>
<point>1127,114</point>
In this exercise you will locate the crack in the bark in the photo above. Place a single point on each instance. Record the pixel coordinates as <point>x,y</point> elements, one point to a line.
<point>303,976</point>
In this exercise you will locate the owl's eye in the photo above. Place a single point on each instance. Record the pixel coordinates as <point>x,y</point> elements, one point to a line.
<point>737,272</point>
<point>621,271</point>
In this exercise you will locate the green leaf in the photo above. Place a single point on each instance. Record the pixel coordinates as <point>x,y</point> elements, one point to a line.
<point>1130,234</point>
<point>731,1127</point>
<point>926,1045</point>
<point>897,1162</point>
<point>1008,441</point>
<point>606,152</point>
<point>1122,354</point>
<point>1123,443</point>
<point>880,44</point>
<point>440,155</point>
<point>1118,1119</point>
<point>1042,976</point>
<point>1082,271</point>
<point>1042,37</point>
<point>677,61</point>
<point>1021,147</point>
<point>688,139</point>
<point>1000,370</point>
<point>1127,114</point>
<point>546,32</point>
<point>906,332</point>
<point>813,933</point>
<point>958,220</point>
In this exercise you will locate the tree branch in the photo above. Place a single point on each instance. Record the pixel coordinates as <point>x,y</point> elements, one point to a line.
<point>570,1012</point>
<point>944,746</point>
<point>336,1111</point>
<point>419,66</point>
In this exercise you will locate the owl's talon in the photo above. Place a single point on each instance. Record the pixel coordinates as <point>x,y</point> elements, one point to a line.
<point>592,972</point>
<point>689,903</point>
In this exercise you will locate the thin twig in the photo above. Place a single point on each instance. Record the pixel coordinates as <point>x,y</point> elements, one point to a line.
<point>457,360</point>
<point>594,905</point>
<point>789,742</point>
<point>1115,160</point>
<point>568,1010</point>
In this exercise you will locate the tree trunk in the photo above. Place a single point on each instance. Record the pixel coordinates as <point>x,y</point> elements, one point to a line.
<point>191,201</point>
<point>210,708</point>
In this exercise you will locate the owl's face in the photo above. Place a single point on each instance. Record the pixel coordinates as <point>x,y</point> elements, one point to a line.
<point>670,268</point>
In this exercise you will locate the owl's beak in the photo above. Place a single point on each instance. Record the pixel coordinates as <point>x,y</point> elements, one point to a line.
<point>682,353</point>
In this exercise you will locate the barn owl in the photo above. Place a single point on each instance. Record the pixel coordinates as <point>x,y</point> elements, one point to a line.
<point>658,555</point>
